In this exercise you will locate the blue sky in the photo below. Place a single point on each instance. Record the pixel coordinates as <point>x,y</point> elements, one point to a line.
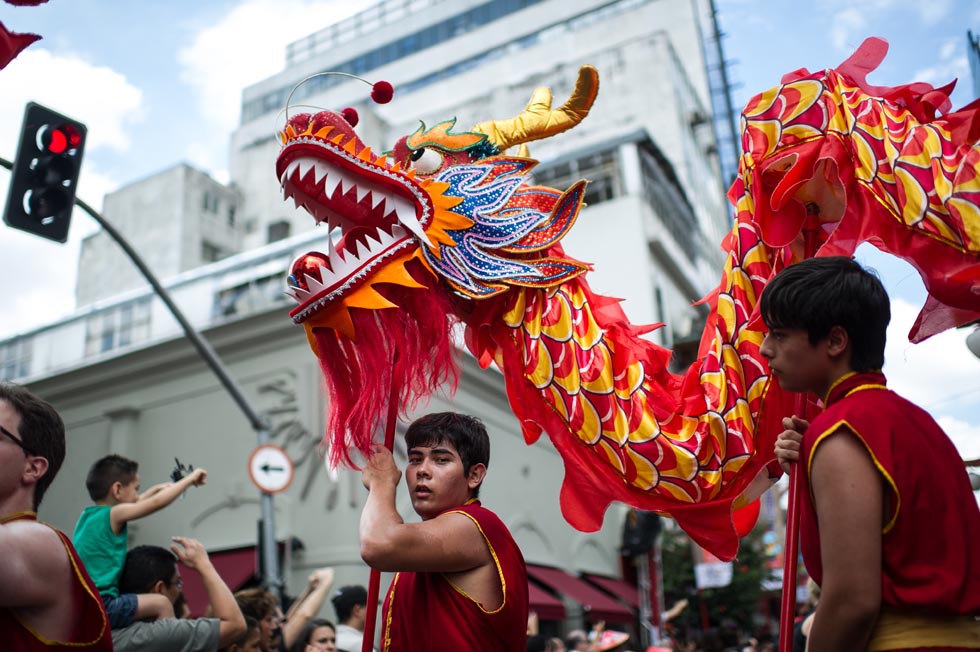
<point>159,83</point>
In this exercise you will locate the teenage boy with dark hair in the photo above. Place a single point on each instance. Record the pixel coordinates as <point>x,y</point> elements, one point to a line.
<point>101,533</point>
<point>153,570</point>
<point>47,600</point>
<point>461,582</point>
<point>889,523</point>
<point>350,603</point>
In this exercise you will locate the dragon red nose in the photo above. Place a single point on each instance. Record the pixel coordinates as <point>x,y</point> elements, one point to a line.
<point>309,263</point>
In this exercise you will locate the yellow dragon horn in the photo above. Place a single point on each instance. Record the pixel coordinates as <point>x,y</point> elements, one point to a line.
<point>539,120</point>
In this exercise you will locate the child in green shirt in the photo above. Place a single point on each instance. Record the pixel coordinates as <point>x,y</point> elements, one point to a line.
<point>101,536</point>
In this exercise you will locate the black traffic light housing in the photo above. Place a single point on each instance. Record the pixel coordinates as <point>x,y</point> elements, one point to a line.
<point>45,173</point>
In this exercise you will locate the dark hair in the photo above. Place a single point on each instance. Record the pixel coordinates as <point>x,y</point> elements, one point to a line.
<point>535,643</point>
<point>257,603</point>
<point>42,430</point>
<point>251,625</point>
<point>467,434</point>
<point>108,471</point>
<point>346,598</point>
<point>817,294</point>
<point>144,567</point>
<point>299,645</point>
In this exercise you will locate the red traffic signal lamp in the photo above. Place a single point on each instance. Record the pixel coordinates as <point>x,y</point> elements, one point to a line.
<point>45,173</point>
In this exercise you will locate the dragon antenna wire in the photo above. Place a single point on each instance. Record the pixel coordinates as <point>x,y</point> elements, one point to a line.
<point>381,91</point>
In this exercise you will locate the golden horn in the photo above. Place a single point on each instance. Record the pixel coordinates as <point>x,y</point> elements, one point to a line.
<point>539,120</point>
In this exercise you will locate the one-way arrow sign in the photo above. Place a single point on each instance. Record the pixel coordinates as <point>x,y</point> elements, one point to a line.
<point>270,468</point>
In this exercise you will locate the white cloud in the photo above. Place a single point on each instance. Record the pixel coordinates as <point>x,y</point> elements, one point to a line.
<point>96,95</point>
<point>940,374</point>
<point>845,24</point>
<point>245,47</point>
<point>965,435</point>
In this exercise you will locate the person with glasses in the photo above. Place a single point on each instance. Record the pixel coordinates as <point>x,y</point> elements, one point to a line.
<point>152,569</point>
<point>47,599</point>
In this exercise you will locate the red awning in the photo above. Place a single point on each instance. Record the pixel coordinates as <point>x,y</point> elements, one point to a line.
<point>596,604</point>
<point>236,567</point>
<point>617,588</point>
<point>547,606</point>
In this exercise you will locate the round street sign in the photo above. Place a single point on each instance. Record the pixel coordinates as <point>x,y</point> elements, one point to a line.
<point>270,468</point>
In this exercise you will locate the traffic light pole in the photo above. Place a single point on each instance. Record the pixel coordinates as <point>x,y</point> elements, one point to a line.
<point>272,579</point>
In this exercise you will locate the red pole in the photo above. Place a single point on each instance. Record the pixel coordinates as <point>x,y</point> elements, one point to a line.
<point>374,581</point>
<point>791,545</point>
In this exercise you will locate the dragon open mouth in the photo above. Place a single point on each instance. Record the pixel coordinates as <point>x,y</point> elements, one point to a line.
<point>379,209</point>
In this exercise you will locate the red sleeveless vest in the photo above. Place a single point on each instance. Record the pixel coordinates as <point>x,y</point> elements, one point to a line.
<point>424,611</point>
<point>930,552</point>
<point>92,629</point>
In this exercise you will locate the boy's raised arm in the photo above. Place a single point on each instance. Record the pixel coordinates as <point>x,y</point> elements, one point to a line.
<point>125,512</point>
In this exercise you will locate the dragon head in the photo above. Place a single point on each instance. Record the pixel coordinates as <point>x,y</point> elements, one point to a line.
<point>442,208</point>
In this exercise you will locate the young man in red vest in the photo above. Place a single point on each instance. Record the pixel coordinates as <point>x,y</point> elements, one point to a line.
<point>889,524</point>
<point>461,582</point>
<point>47,600</point>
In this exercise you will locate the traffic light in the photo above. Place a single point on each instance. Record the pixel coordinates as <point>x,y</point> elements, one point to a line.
<point>45,173</point>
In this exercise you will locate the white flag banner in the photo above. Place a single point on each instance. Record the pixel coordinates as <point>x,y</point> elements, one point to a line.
<point>710,575</point>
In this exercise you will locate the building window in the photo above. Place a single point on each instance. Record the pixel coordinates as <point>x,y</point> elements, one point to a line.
<point>231,216</point>
<point>601,169</point>
<point>662,190</point>
<point>118,327</point>
<point>277,231</point>
<point>15,358</point>
<point>252,296</point>
<point>209,202</point>
<point>211,252</point>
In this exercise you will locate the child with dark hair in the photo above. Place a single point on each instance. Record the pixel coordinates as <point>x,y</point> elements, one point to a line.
<point>889,523</point>
<point>101,535</point>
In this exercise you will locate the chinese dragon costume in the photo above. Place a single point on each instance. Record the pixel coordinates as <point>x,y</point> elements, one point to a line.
<point>449,229</point>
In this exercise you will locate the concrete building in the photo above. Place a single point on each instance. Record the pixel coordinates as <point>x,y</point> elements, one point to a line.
<point>179,219</point>
<point>127,382</point>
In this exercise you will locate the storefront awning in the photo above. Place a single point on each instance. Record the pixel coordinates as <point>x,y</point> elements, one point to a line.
<point>236,567</point>
<point>618,588</point>
<point>547,606</point>
<point>596,604</point>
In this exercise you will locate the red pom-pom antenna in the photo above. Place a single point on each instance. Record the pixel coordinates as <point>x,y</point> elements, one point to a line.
<point>350,115</point>
<point>382,92</point>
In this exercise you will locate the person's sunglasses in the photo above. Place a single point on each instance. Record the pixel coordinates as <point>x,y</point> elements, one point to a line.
<point>16,440</point>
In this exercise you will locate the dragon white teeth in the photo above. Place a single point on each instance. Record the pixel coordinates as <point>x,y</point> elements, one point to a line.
<point>405,211</point>
<point>320,170</point>
<point>376,199</point>
<point>362,189</point>
<point>330,184</point>
<point>305,165</point>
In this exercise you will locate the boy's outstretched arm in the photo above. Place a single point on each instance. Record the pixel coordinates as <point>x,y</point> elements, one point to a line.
<point>154,490</point>
<point>122,513</point>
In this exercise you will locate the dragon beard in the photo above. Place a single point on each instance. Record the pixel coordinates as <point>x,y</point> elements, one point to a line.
<point>404,353</point>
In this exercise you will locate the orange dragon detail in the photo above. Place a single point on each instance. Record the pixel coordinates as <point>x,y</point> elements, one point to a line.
<point>448,230</point>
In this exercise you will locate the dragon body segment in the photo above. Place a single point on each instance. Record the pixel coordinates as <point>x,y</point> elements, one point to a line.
<point>448,230</point>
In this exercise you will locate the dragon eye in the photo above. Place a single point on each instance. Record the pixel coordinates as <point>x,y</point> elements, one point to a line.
<point>426,161</point>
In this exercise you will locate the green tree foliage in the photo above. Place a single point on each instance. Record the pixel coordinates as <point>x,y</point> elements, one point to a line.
<point>737,602</point>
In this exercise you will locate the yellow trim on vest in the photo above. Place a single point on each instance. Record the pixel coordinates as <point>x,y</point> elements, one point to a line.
<point>386,639</point>
<point>78,575</point>
<point>881,469</point>
<point>500,571</point>
<point>837,382</point>
<point>898,631</point>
